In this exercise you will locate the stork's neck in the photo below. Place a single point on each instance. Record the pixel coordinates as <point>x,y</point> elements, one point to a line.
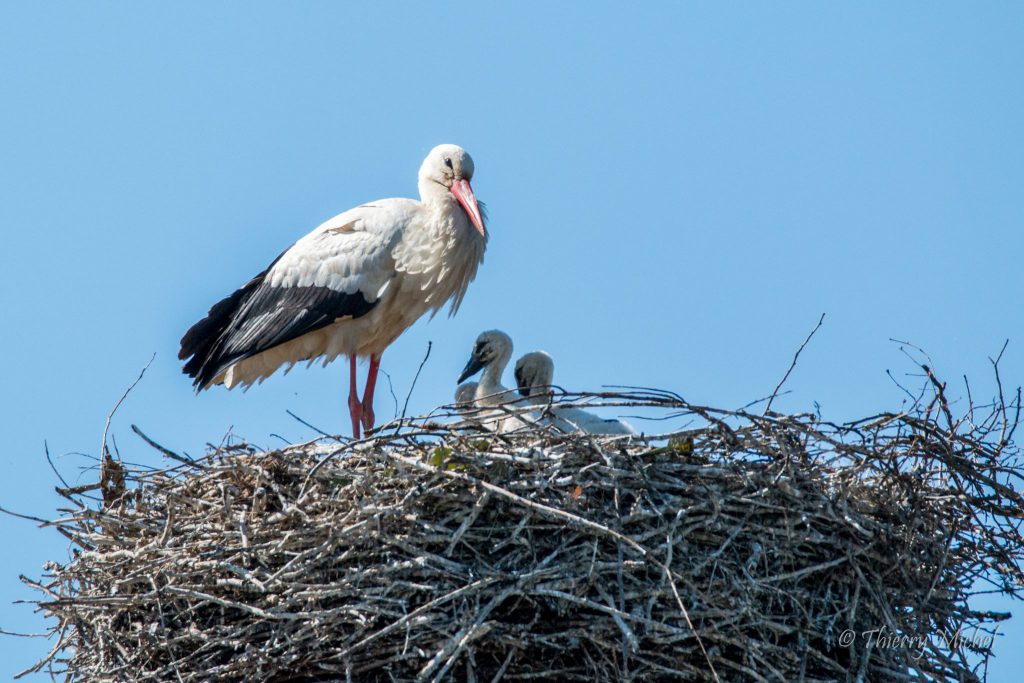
<point>434,193</point>
<point>541,377</point>
<point>490,382</point>
<point>447,216</point>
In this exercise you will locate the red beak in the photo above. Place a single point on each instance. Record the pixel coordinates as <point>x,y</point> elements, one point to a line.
<point>464,193</point>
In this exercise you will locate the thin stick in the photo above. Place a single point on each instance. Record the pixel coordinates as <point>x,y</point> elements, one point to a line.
<point>46,449</point>
<point>423,362</point>
<point>166,451</point>
<point>106,427</point>
<point>792,365</point>
<point>30,518</point>
<point>300,420</point>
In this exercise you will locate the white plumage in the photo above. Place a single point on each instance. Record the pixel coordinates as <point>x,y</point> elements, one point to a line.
<point>351,286</point>
<point>491,353</point>
<point>535,372</point>
<point>465,397</point>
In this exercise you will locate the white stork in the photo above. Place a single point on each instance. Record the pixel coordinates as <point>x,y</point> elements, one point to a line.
<point>534,374</point>
<point>351,286</point>
<point>465,396</point>
<point>491,353</point>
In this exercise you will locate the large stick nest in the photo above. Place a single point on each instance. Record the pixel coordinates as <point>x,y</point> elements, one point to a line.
<point>747,547</point>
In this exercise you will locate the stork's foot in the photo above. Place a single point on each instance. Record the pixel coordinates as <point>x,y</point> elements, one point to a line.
<point>367,409</point>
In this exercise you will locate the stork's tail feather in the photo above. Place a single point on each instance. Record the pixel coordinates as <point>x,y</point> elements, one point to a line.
<point>202,341</point>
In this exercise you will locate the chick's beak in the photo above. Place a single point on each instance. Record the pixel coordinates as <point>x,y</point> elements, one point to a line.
<point>464,194</point>
<point>472,367</point>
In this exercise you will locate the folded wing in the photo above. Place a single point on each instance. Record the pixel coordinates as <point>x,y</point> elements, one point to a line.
<point>338,271</point>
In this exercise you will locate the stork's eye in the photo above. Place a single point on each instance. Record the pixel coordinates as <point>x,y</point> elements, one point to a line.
<point>448,162</point>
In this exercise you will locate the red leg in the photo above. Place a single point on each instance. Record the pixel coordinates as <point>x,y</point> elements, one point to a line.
<point>355,408</point>
<point>371,384</point>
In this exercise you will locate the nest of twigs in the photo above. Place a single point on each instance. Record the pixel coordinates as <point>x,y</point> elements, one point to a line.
<point>746,547</point>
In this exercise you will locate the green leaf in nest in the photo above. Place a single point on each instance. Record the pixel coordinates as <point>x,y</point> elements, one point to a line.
<point>440,457</point>
<point>682,446</point>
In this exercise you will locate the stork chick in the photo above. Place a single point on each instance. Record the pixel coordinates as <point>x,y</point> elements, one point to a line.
<point>465,397</point>
<point>491,353</point>
<point>534,374</point>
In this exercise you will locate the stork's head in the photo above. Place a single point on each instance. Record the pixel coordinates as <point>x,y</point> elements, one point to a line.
<point>493,347</point>
<point>534,372</point>
<point>451,167</point>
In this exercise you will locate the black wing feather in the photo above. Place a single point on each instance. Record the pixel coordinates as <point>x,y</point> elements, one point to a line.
<point>258,317</point>
<point>202,337</point>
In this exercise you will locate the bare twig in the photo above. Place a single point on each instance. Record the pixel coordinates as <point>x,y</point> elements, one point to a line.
<point>792,365</point>
<point>106,427</point>
<point>166,451</point>
<point>30,518</point>
<point>405,406</point>
<point>303,422</point>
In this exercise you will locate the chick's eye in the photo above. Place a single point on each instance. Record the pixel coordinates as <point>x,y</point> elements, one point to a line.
<point>447,162</point>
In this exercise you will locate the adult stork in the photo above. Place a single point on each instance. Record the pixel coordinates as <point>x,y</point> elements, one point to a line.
<point>351,286</point>
<point>534,373</point>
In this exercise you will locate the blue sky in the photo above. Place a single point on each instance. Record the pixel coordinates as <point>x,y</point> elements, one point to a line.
<point>676,192</point>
